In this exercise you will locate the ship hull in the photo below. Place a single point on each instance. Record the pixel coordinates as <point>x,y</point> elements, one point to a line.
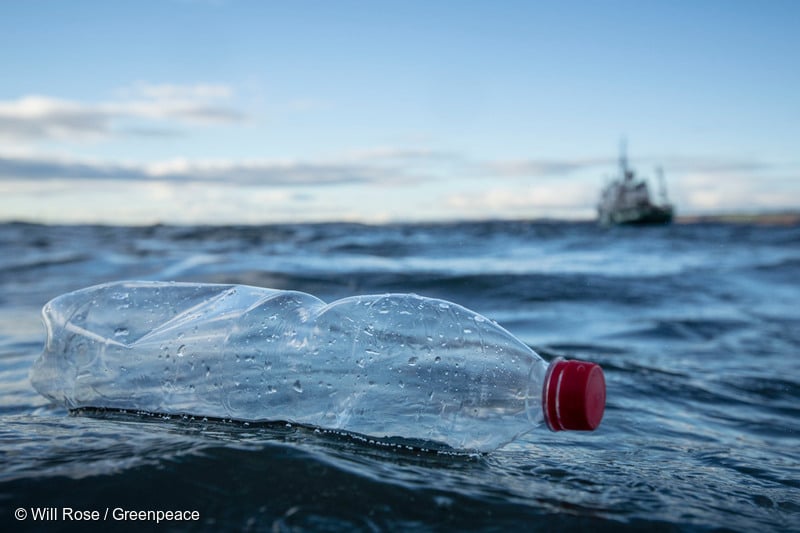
<point>640,216</point>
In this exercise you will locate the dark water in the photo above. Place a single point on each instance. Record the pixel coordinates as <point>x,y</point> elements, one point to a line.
<point>696,326</point>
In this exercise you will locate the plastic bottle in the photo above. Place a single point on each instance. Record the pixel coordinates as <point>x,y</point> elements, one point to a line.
<point>383,366</point>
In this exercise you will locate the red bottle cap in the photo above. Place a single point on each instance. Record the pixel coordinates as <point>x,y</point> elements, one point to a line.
<point>574,395</point>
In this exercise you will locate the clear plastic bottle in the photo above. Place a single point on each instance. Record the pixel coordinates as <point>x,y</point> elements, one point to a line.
<point>383,366</point>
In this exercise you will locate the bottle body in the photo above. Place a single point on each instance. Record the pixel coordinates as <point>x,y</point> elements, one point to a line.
<point>381,366</point>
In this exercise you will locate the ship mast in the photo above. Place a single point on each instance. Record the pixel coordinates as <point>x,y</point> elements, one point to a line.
<point>623,159</point>
<point>662,185</point>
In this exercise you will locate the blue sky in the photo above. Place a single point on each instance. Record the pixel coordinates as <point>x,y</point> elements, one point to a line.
<point>234,111</point>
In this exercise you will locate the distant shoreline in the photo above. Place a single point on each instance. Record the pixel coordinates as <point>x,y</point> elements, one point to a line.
<point>783,218</point>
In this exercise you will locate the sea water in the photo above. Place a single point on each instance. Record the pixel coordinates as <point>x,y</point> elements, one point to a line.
<point>697,327</point>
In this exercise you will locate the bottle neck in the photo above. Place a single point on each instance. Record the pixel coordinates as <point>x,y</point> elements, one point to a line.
<point>534,397</point>
<point>550,395</point>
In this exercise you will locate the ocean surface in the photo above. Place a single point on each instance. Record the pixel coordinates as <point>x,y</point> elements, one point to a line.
<point>697,327</point>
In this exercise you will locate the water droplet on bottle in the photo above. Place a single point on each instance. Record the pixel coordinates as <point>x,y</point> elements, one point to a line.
<point>181,350</point>
<point>297,386</point>
<point>412,360</point>
<point>443,305</point>
<point>121,332</point>
<point>437,360</point>
<point>271,389</point>
<point>467,331</point>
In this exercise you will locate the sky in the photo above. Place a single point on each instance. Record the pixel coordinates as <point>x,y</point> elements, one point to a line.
<point>233,111</point>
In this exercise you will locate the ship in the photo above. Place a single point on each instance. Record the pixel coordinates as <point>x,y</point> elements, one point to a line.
<point>626,199</point>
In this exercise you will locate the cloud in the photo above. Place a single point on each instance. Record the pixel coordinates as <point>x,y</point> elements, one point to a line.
<point>32,168</point>
<point>246,173</point>
<point>380,166</point>
<point>36,118</point>
<point>399,154</point>
<point>712,165</point>
<point>671,163</point>
<point>713,192</point>
<point>554,199</point>
<point>543,167</point>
